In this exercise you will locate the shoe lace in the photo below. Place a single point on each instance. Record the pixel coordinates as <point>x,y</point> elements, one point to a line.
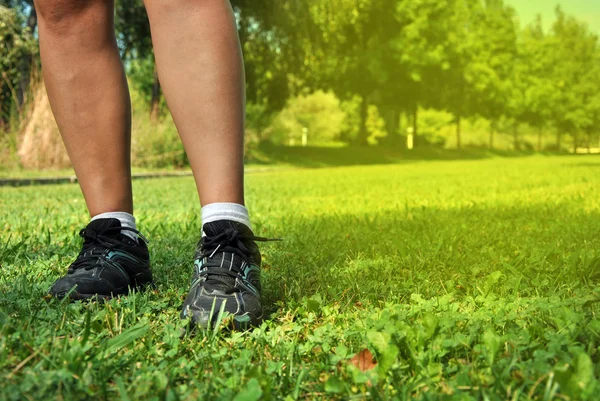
<point>233,241</point>
<point>96,244</point>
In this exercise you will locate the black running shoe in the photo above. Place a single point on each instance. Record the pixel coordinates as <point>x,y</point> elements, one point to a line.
<point>110,264</point>
<point>226,275</point>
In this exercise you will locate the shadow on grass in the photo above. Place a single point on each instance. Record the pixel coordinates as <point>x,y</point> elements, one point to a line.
<point>470,252</point>
<point>380,257</point>
<point>312,156</point>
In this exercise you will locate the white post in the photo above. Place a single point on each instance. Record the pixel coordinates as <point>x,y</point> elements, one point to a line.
<point>409,138</point>
<point>304,136</point>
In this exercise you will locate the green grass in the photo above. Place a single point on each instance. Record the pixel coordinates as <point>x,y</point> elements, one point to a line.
<point>466,279</point>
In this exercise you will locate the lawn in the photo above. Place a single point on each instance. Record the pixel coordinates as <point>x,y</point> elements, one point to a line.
<point>472,279</point>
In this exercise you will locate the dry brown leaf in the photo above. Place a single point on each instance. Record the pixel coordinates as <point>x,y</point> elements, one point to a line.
<point>364,360</point>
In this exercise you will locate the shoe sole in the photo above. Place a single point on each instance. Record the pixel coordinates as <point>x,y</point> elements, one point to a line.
<point>227,323</point>
<point>77,296</point>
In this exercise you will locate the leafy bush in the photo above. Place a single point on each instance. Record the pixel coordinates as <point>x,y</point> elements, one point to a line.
<point>430,125</point>
<point>375,126</point>
<point>320,113</point>
<point>154,143</point>
<point>258,122</point>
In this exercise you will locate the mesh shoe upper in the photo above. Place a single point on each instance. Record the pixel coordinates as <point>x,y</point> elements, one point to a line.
<point>109,263</point>
<point>226,275</point>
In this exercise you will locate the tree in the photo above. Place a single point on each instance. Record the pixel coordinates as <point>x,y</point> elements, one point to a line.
<point>461,77</point>
<point>574,65</point>
<point>16,56</point>
<point>345,46</point>
<point>420,45</point>
<point>534,95</point>
<point>266,50</point>
<point>495,63</point>
<point>364,62</point>
<point>135,45</point>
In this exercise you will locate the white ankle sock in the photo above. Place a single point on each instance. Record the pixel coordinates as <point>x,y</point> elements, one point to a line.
<point>126,219</point>
<point>225,211</point>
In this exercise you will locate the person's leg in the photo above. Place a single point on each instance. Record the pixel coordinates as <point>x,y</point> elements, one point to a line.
<point>89,97</point>
<point>199,63</point>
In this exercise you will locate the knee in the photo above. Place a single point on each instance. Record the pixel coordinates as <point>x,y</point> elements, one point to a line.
<point>64,16</point>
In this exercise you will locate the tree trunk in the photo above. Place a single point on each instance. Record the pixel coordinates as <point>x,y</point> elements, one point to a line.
<point>458,145</point>
<point>155,100</point>
<point>516,144</point>
<point>575,144</point>
<point>491,145</point>
<point>588,140</point>
<point>558,137</point>
<point>392,119</point>
<point>362,132</point>
<point>415,127</point>
<point>539,147</point>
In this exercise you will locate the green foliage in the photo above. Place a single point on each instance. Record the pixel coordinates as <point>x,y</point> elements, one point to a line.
<point>466,57</point>
<point>326,119</point>
<point>259,120</point>
<point>351,126</point>
<point>432,125</point>
<point>16,46</point>
<point>154,143</point>
<point>133,30</point>
<point>319,113</point>
<point>141,76</point>
<point>375,126</point>
<point>578,51</point>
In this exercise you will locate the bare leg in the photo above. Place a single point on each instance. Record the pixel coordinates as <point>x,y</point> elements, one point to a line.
<point>199,63</point>
<point>89,97</point>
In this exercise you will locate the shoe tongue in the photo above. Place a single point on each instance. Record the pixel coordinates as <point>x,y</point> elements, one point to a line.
<point>100,225</point>
<point>215,228</point>
<point>225,259</point>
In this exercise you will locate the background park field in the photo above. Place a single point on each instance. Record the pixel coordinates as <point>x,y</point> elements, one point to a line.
<point>466,280</point>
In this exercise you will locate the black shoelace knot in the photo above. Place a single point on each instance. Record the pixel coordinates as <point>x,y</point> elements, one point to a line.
<point>96,244</point>
<point>233,241</point>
